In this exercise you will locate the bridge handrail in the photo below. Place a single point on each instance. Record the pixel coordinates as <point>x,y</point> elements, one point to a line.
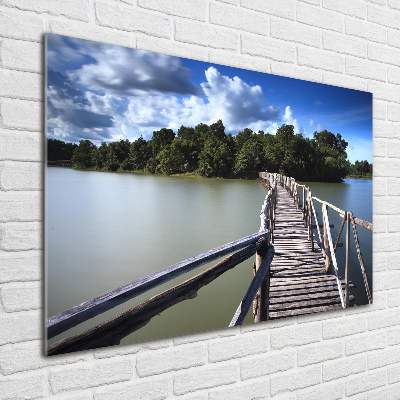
<point>308,209</point>
<point>78,314</point>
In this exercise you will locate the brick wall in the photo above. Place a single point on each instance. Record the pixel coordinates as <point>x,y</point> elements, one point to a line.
<point>350,43</point>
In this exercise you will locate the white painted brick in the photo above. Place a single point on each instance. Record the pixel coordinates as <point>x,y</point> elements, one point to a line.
<point>131,19</point>
<point>198,396</point>
<point>384,54</point>
<point>365,382</point>
<point>393,111</point>
<point>75,9</point>
<point>249,391</point>
<point>296,335</point>
<point>21,236</point>
<point>115,351</point>
<point>381,2</point>
<point>320,59</point>
<point>393,226</point>
<point>18,146</point>
<point>238,18</point>
<point>234,2</point>
<point>344,44</point>
<point>172,48</point>
<point>343,367</point>
<point>23,266</point>
<point>239,60</point>
<point>296,71</point>
<point>366,342</point>
<point>379,112</point>
<point>22,296</point>
<point>393,38</point>
<point>383,319</point>
<point>388,241</point>
<point>366,69</point>
<point>174,359</point>
<point>383,129</point>
<point>343,327</point>
<point>197,337</point>
<point>193,9</point>
<point>21,26</point>
<point>16,175</point>
<point>379,260</point>
<point>348,82</point>
<point>386,393</point>
<point>393,74</point>
<point>393,374</point>
<point>385,204</point>
<point>90,32</point>
<point>384,16</point>
<point>205,35</point>
<point>154,389</point>
<point>380,225</point>
<point>270,48</point>
<point>90,375</point>
<point>394,4</point>
<point>80,396</point>
<point>391,93</point>
<point>284,8</point>
<point>298,379</point>
<point>22,114</point>
<point>393,336</point>
<point>229,348</point>
<point>393,187</point>
<point>20,206</point>
<point>270,325</point>
<point>267,364</point>
<point>315,2</point>
<point>320,352</point>
<point>28,356</point>
<point>354,8</point>
<point>379,186</point>
<point>393,259</point>
<point>205,377</point>
<point>19,327</point>
<point>22,56</point>
<point>293,32</point>
<point>365,30</point>
<point>318,17</point>
<point>26,386</point>
<point>327,391</point>
<point>394,298</point>
<point>382,358</point>
<point>389,279</point>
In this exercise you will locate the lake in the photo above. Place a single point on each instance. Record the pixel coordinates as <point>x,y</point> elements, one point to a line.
<point>104,230</point>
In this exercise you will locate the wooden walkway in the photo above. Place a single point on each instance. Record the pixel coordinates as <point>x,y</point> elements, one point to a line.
<point>298,281</point>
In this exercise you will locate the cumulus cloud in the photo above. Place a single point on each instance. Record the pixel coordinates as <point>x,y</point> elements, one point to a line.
<point>69,114</point>
<point>128,72</point>
<point>234,101</point>
<point>289,120</point>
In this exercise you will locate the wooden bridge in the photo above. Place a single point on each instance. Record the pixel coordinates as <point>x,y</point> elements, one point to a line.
<point>293,273</point>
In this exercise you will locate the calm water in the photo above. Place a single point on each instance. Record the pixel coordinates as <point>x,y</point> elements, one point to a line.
<point>105,230</point>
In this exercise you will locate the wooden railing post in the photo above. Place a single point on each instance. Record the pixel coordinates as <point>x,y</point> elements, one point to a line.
<point>261,302</point>
<point>326,242</point>
<point>346,274</point>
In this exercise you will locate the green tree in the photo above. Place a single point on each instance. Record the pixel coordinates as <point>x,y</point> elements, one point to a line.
<point>216,159</point>
<point>100,155</point>
<point>139,154</point>
<point>83,155</point>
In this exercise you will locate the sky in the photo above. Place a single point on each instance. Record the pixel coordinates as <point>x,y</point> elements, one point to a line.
<point>105,93</point>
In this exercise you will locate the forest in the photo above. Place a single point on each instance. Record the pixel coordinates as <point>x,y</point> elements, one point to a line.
<point>208,151</point>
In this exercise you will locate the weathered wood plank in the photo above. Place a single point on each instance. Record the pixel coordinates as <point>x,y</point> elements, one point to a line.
<point>75,315</point>
<point>112,331</point>
<point>252,290</point>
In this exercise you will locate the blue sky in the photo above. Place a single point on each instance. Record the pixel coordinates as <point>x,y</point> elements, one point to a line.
<point>106,93</point>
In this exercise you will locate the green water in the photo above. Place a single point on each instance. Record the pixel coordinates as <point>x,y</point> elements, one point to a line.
<point>104,230</point>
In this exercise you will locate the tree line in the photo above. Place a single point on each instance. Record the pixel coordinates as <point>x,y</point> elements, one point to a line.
<point>207,150</point>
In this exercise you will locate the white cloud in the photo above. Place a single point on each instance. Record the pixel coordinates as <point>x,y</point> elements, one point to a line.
<point>289,120</point>
<point>311,122</point>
